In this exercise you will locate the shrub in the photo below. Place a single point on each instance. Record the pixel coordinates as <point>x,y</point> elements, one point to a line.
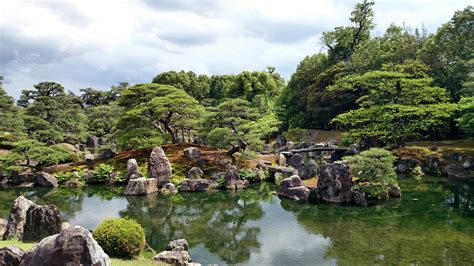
<point>102,173</point>
<point>374,170</point>
<point>295,134</point>
<point>63,177</point>
<point>120,237</point>
<point>247,174</point>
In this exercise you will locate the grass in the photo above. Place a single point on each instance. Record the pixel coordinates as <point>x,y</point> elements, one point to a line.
<point>144,259</point>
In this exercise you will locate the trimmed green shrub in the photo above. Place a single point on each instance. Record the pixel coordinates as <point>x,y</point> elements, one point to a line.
<point>375,172</point>
<point>119,237</point>
<point>63,177</point>
<point>247,174</point>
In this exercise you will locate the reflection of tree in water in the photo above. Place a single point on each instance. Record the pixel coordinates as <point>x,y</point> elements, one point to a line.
<point>217,220</point>
<point>420,229</point>
<point>462,196</point>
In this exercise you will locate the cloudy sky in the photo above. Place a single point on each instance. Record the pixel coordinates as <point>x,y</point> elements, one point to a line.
<point>98,43</point>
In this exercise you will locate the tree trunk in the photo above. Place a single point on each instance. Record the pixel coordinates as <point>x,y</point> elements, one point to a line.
<point>174,138</point>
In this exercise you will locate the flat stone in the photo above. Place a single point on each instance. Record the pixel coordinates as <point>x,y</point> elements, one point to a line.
<point>196,185</point>
<point>141,186</point>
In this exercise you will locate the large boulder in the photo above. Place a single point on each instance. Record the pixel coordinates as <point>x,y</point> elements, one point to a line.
<point>159,166</point>
<point>296,161</point>
<point>72,246</point>
<point>177,245</point>
<point>192,153</point>
<point>17,218</point>
<point>232,179</point>
<point>108,153</point>
<point>11,256</point>
<point>43,179</point>
<point>335,182</point>
<point>293,188</point>
<point>132,169</point>
<point>3,227</point>
<point>169,188</point>
<point>196,185</point>
<point>195,173</point>
<point>41,221</point>
<point>175,258</point>
<point>92,142</point>
<point>141,186</point>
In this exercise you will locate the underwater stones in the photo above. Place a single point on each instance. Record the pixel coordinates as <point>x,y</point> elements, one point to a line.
<point>335,182</point>
<point>197,185</point>
<point>192,153</point>
<point>43,179</point>
<point>195,173</point>
<point>11,256</point>
<point>41,221</point>
<point>17,218</point>
<point>72,246</point>
<point>159,166</point>
<point>232,179</point>
<point>132,169</point>
<point>141,186</point>
<point>293,188</point>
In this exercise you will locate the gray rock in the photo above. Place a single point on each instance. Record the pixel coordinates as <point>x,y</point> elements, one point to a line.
<point>132,169</point>
<point>232,179</point>
<point>335,182</point>
<point>11,256</point>
<point>3,227</point>
<point>169,188</point>
<point>43,179</point>
<point>290,145</point>
<point>405,166</point>
<point>17,218</point>
<point>89,160</point>
<point>18,179</point>
<point>141,186</point>
<point>295,160</point>
<point>41,221</point>
<point>108,153</point>
<point>92,142</point>
<point>72,246</point>
<point>74,183</point>
<point>65,225</point>
<point>196,185</point>
<point>293,188</point>
<point>159,166</point>
<point>359,198</point>
<point>281,160</point>
<point>192,153</point>
<point>432,165</point>
<point>280,141</point>
<point>285,171</point>
<point>176,258</point>
<point>456,170</point>
<point>354,149</point>
<point>177,245</point>
<point>195,173</point>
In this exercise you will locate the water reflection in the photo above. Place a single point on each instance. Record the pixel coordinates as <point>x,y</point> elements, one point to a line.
<point>432,224</point>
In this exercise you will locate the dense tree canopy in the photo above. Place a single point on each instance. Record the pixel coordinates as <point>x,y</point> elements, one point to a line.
<point>10,116</point>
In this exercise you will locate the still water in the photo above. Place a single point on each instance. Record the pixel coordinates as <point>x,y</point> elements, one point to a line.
<point>432,224</point>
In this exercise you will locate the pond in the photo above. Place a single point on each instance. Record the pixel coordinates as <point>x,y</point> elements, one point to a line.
<point>432,224</point>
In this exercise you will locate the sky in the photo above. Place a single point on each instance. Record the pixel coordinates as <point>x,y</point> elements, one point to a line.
<point>98,43</point>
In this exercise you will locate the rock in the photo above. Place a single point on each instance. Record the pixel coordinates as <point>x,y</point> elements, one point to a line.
<point>456,170</point>
<point>108,153</point>
<point>395,192</point>
<point>293,188</point>
<point>132,169</point>
<point>405,166</point>
<point>468,163</point>
<point>141,186</point>
<point>192,153</point>
<point>177,245</point>
<point>18,179</point>
<point>285,171</point>
<point>41,221</point>
<point>112,178</point>
<point>280,141</point>
<point>263,164</point>
<point>309,171</point>
<point>432,165</point>
<point>359,198</point>
<point>195,173</point>
<point>65,225</point>
<point>290,145</point>
<point>232,179</point>
<point>89,160</point>
<point>159,166</point>
<point>278,177</point>
<point>169,188</point>
<point>335,182</point>
<point>72,246</point>
<point>195,185</point>
<point>43,179</point>
<point>281,160</point>
<point>176,258</point>
<point>332,142</point>
<point>3,181</point>
<point>354,149</point>
<point>17,218</point>
<point>296,160</point>
<point>102,141</point>
<point>74,183</point>
<point>267,148</point>
<point>261,175</point>
<point>92,142</point>
<point>11,256</point>
<point>3,227</point>
<point>314,195</point>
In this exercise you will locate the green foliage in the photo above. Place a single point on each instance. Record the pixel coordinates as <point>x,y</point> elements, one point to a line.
<point>120,237</point>
<point>102,173</point>
<point>295,134</point>
<point>159,107</point>
<point>248,174</point>
<point>102,119</point>
<point>466,121</point>
<point>195,85</point>
<point>10,116</point>
<point>63,177</point>
<point>51,115</point>
<point>374,170</point>
<point>33,154</point>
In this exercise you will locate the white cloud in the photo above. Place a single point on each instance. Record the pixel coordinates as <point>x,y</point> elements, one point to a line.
<point>92,43</point>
